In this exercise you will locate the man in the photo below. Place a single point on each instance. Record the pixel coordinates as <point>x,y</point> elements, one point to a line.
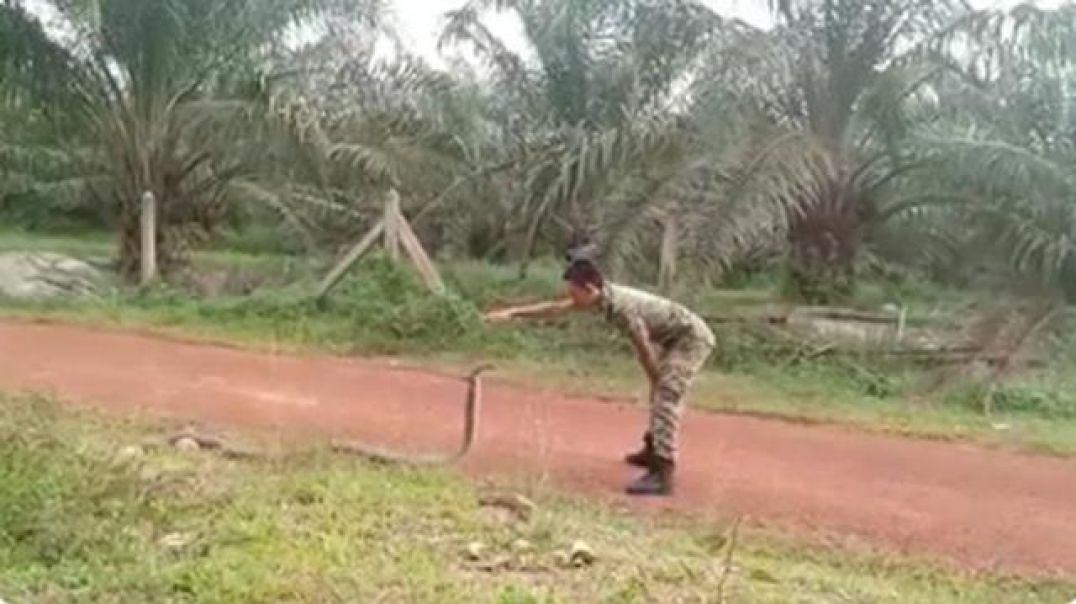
<point>671,344</point>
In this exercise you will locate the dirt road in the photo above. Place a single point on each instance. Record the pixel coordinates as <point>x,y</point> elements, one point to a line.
<point>984,510</point>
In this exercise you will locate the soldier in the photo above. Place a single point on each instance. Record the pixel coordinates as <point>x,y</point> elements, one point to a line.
<point>671,344</point>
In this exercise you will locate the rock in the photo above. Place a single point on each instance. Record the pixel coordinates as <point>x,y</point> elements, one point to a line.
<point>475,550</point>
<point>187,443</point>
<point>130,453</point>
<point>522,546</point>
<point>174,541</point>
<point>518,505</point>
<point>41,276</point>
<point>581,554</point>
<point>562,558</point>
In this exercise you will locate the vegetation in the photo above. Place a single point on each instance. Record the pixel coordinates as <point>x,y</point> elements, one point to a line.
<point>910,154</point>
<point>836,142</point>
<point>90,515</point>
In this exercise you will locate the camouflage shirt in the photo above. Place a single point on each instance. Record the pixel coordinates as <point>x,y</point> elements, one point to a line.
<point>666,321</point>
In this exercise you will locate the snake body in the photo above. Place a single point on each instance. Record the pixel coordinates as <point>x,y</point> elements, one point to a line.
<point>470,432</point>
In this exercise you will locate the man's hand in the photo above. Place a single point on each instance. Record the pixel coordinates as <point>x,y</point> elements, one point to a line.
<point>499,316</point>
<point>542,310</point>
<point>652,373</point>
<point>640,339</point>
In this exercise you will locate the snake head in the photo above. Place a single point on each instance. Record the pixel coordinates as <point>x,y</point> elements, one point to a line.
<point>477,371</point>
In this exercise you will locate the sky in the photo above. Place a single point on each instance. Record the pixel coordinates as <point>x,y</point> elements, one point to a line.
<point>420,20</point>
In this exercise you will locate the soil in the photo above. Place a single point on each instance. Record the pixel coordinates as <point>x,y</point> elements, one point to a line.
<point>981,510</point>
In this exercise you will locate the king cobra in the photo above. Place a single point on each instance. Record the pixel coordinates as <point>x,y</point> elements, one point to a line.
<point>470,431</point>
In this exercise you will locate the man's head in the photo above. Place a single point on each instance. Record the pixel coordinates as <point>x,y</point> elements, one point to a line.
<point>584,282</point>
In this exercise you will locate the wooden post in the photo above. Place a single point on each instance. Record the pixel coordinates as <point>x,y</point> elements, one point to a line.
<point>149,237</point>
<point>350,258</point>
<point>427,270</point>
<point>393,219</point>
<point>902,320</point>
<point>397,235</point>
<point>670,240</point>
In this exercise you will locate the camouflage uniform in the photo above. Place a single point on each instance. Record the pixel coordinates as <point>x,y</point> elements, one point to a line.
<point>682,342</point>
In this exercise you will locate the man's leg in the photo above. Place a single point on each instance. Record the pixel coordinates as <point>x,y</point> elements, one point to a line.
<point>643,458</point>
<point>678,369</point>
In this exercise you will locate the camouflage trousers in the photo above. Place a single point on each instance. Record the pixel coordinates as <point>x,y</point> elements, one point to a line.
<point>677,367</point>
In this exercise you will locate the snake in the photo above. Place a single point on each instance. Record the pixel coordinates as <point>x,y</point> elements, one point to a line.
<point>472,403</point>
<point>470,432</point>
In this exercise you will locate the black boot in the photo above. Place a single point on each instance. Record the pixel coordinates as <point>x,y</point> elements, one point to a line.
<point>644,456</point>
<point>657,481</point>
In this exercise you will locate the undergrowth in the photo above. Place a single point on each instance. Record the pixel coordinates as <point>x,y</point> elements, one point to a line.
<point>88,514</point>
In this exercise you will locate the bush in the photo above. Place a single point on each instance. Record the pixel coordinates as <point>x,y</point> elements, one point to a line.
<point>1024,399</point>
<point>32,211</point>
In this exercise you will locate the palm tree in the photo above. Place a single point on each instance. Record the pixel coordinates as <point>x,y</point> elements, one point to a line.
<point>28,103</point>
<point>161,90</point>
<point>837,84</point>
<point>358,125</point>
<point>1009,150</point>
<point>588,101</point>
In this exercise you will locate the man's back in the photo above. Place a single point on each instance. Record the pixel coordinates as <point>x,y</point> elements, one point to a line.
<point>667,321</point>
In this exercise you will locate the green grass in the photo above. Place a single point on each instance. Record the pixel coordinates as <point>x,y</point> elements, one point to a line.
<point>381,310</point>
<point>94,246</point>
<point>102,247</point>
<point>82,519</point>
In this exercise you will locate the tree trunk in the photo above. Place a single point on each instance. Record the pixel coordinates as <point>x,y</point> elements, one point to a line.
<point>824,241</point>
<point>148,231</point>
<point>670,244</point>
<point>172,242</point>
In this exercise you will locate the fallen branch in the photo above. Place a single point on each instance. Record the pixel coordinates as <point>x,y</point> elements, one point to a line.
<point>784,316</point>
<point>846,314</point>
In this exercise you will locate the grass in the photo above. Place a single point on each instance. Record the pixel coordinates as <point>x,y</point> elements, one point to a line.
<point>102,247</point>
<point>92,246</point>
<point>381,310</point>
<point>85,516</point>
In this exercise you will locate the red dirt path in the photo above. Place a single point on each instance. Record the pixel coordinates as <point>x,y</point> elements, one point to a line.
<point>984,510</point>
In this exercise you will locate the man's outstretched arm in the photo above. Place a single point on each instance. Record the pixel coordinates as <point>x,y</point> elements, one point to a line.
<point>542,310</point>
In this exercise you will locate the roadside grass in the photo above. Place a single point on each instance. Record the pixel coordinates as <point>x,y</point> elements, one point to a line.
<point>89,514</point>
